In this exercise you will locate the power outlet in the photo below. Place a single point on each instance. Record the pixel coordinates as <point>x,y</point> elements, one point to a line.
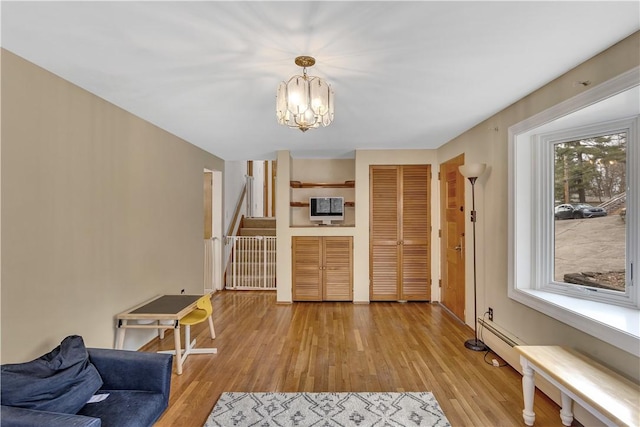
<point>491,314</point>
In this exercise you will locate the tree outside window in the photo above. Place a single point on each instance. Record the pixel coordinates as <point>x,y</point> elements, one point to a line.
<point>589,192</point>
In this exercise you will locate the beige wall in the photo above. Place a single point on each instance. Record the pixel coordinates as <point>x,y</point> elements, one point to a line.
<point>100,211</point>
<point>487,143</point>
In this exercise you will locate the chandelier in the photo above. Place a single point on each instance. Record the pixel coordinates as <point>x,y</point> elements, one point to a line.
<point>304,102</point>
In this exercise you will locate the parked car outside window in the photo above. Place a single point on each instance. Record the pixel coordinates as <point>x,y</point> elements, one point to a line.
<point>578,210</point>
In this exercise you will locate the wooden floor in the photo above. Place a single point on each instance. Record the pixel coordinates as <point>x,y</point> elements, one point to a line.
<point>314,347</point>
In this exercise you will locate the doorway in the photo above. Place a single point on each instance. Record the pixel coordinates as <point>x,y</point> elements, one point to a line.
<point>212,226</point>
<point>261,184</point>
<point>452,242</point>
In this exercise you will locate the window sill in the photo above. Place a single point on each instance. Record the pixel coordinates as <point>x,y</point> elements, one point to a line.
<point>618,326</point>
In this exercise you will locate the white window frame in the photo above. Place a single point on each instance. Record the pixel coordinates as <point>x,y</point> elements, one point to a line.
<point>529,218</point>
<point>544,145</point>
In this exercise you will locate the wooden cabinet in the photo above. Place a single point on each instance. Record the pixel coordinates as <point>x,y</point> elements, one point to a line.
<point>400,233</point>
<point>322,268</point>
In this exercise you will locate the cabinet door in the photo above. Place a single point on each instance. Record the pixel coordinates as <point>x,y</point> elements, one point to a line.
<point>415,231</point>
<point>384,233</point>
<point>337,267</point>
<point>307,272</point>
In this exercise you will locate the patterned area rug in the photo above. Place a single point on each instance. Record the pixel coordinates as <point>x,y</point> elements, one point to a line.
<point>327,410</point>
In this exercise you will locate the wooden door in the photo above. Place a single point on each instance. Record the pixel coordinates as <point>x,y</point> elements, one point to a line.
<point>384,251</point>
<point>337,268</point>
<point>307,272</point>
<point>452,241</point>
<point>415,232</point>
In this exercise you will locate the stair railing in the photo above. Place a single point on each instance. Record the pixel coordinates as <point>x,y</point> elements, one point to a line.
<point>614,203</point>
<point>235,223</point>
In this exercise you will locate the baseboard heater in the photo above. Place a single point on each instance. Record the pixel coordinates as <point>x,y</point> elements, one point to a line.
<point>501,342</point>
<point>489,326</point>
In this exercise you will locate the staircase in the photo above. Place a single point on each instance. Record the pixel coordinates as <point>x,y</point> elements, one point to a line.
<point>257,227</point>
<point>252,255</point>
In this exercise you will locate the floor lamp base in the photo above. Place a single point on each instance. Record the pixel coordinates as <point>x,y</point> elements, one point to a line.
<point>475,345</point>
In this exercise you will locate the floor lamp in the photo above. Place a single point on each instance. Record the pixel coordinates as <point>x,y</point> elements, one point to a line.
<point>472,171</point>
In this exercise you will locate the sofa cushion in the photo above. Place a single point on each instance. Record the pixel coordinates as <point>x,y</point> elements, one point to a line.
<point>126,408</point>
<point>59,381</point>
<point>10,416</point>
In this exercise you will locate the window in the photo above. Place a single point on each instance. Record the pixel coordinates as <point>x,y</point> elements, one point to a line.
<point>586,251</point>
<point>573,168</point>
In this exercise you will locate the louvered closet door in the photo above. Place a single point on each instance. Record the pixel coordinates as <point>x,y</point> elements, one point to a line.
<point>307,272</point>
<point>415,226</point>
<point>338,271</point>
<point>384,233</point>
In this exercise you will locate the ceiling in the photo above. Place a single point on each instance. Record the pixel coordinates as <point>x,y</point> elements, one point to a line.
<point>405,74</point>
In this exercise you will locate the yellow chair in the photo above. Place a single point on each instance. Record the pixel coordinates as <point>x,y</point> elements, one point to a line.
<point>203,312</point>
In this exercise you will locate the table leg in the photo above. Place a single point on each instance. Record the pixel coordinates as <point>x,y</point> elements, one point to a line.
<point>120,334</point>
<point>211,328</point>
<point>176,338</point>
<point>566,412</point>
<point>528,392</point>
<point>160,330</point>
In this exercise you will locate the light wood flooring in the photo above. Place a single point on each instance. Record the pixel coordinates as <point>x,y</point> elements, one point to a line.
<point>320,347</point>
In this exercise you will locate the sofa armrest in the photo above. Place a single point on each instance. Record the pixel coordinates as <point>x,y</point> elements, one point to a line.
<point>11,416</point>
<point>133,370</point>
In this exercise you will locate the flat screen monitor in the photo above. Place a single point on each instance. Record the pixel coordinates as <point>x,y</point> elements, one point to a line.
<point>326,209</point>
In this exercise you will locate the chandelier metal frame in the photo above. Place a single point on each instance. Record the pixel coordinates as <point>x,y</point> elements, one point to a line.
<point>304,102</point>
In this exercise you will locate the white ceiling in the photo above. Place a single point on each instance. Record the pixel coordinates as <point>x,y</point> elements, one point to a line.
<point>406,74</point>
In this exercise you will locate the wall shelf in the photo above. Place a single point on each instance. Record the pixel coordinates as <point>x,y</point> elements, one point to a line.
<point>306,204</point>
<point>346,184</point>
<point>321,178</point>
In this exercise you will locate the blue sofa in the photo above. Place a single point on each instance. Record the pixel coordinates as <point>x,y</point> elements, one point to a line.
<point>137,385</point>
